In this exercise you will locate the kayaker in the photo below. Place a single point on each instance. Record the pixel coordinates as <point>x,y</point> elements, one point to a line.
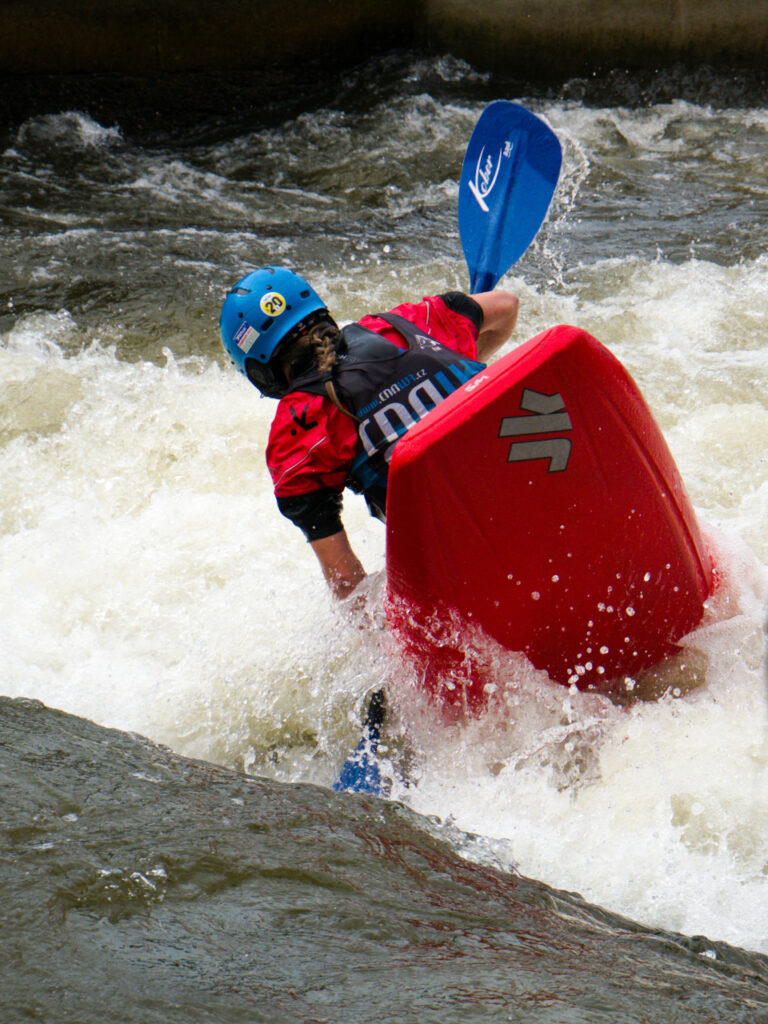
<point>347,395</point>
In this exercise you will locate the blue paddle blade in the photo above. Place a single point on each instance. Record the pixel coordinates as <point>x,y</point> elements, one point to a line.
<point>507,182</point>
<point>360,772</point>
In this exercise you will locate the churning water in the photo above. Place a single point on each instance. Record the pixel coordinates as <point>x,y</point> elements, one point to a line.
<point>149,584</point>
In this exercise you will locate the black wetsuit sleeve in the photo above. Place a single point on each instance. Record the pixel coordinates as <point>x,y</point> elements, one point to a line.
<point>317,514</point>
<point>465,305</point>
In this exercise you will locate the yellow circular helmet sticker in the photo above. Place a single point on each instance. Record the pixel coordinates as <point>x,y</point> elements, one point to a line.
<point>273,304</point>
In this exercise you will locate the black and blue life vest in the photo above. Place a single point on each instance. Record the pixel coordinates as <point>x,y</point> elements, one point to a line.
<point>387,390</point>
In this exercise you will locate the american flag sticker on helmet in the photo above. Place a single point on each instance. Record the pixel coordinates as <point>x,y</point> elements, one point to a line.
<point>245,337</point>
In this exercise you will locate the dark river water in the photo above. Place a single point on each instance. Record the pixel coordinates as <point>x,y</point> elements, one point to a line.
<point>170,847</point>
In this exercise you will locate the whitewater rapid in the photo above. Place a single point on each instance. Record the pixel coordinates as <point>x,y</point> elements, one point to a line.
<point>148,582</point>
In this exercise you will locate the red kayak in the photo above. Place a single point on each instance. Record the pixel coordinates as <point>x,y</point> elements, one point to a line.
<point>540,503</point>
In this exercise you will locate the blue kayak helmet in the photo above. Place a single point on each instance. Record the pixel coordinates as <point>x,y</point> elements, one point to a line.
<point>258,314</point>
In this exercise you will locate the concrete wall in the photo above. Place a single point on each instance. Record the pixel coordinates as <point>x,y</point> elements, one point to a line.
<point>76,36</point>
<point>548,38</point>
<point>557,38</point>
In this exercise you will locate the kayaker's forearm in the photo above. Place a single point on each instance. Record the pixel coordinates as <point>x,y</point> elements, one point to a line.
<point>499,318</point>
<point>341,567</point>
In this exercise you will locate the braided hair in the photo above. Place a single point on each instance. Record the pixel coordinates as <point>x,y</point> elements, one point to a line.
<point>314,345</point>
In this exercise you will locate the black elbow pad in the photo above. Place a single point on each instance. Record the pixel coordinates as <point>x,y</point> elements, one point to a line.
<point>458,302</point>
<point>317,514</point>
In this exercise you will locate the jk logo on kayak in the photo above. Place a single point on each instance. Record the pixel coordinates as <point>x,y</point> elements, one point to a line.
<point>486,172</point>
<point>549,417</point>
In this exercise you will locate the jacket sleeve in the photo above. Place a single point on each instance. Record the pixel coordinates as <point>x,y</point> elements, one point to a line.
<point>464,305</point>
<point>317,514</point>
<point>311,446</point>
